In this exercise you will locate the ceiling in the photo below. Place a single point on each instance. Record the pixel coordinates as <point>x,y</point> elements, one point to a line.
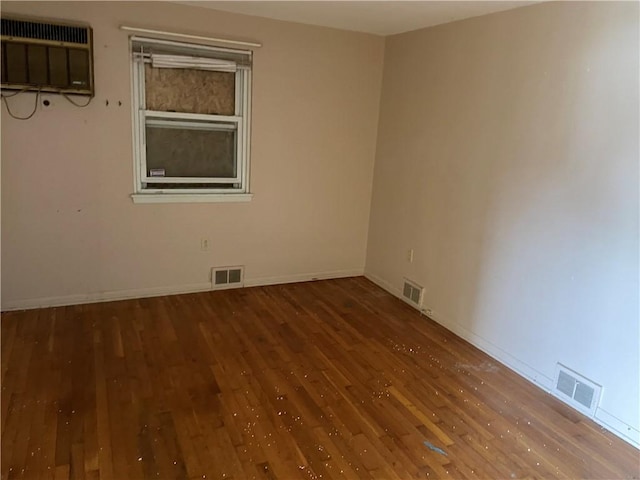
<point>377,17</point>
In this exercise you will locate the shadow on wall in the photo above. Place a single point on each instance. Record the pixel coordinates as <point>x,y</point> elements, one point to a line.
<point>507,157</point>
<point>561,239</point>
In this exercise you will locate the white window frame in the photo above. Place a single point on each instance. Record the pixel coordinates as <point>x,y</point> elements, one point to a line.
<point>241,119</point>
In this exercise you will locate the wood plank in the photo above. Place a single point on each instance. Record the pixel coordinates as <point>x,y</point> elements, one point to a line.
<point>328,379</point>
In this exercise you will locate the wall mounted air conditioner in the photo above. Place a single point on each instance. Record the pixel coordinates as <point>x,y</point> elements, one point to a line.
<point>47,56</point>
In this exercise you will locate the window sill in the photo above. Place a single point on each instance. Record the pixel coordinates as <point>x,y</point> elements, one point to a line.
<point>191,197</point>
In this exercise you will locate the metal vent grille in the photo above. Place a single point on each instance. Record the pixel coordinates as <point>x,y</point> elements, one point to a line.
<point>584,394</point>
<point>44,31</point>
<point>221,277</point>
<point>227,277</point>
<point>577,390</point>
<point>412,292</point>
<point>235,275</point>
<point>566,383</point>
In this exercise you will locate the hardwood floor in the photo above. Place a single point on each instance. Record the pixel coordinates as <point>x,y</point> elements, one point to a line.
<point>327,379</point>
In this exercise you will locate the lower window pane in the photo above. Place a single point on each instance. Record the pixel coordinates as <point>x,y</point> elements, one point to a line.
<point>191,149</point>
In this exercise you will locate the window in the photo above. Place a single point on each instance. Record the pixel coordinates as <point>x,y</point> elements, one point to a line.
<point>191,121</point>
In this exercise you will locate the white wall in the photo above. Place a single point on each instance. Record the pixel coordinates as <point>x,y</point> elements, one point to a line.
<point>508,159</point>
<point>70,231</point>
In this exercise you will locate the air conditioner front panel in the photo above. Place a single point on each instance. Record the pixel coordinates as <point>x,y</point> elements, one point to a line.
<point>47,57</point>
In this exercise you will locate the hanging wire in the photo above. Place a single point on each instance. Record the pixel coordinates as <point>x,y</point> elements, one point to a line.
<point>35,106</point>
<point>72,102</point>
<point>16,93</point>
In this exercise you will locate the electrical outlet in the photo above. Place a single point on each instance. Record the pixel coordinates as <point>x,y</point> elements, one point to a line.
<point>410,255</point>
<point>428,312</point>
<point>204,244</point>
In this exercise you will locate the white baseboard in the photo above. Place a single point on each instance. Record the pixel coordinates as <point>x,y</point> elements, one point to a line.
<point>617,427</point>
<point>602,418</point>
<point>508,360</point>
<point>97,297</point>
<point>302,277</point>
<point>110,296</point>
<point>383,284</point>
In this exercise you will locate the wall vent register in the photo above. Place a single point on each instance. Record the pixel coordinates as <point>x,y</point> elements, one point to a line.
<point>412,293</point>
<point>577,390</point>
<point>227,277</point>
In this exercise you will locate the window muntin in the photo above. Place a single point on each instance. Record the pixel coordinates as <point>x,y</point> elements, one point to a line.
<point>191,124</point>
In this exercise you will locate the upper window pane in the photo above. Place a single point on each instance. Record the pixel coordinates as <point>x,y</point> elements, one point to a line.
<point>189,90</point>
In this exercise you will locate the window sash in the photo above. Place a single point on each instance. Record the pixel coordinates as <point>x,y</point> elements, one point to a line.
<point>190,125</point>
<point>159,60</point>
<point>155,119</point>
<point>191,116</point>
<point>145,46</point>
<point>239,184</point>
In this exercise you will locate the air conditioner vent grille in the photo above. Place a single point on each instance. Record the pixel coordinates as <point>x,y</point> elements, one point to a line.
<point>44,31</point>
